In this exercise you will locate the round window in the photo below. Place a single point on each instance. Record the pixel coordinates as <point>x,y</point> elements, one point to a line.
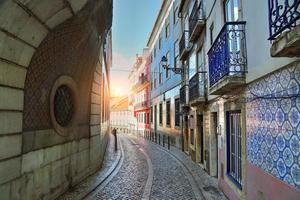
<point>63,105</point>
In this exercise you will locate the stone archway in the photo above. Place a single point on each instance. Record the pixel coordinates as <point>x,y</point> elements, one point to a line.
<point>40,41</point>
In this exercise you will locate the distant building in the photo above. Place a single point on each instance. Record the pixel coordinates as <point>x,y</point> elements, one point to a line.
<point>120,115</point>
<point>139,102</point>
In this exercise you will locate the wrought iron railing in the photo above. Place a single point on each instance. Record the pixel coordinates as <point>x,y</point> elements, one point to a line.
<point>143,104</point>
<point>196,15</point>
<point>184,42</point>
<point>142,80</point>
<point>227,56</point>
<point>197,86</point>
<point>182,95</point>
<point>283,15</point>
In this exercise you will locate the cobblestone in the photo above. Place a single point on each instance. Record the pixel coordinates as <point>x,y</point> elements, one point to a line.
<point>207,184</point>
<point>130,181</point>
<point>169,181</point>
<point>172,172</point>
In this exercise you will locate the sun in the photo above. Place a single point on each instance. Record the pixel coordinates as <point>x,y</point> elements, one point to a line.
<point>117,92</point>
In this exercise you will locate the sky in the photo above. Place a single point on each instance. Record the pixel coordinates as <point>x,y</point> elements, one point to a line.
<point>133,21</point>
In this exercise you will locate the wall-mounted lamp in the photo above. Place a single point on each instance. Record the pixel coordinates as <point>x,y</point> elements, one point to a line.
<point>165,65</point>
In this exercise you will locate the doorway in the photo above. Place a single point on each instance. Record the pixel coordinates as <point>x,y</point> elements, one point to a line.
<point>214,144</point>
<point>201,137</point>
<point>186,134</point>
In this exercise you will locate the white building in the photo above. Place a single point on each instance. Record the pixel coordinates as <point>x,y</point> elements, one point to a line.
<point>120,115</point>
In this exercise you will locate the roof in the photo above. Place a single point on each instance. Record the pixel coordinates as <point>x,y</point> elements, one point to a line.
<point>120,105</point>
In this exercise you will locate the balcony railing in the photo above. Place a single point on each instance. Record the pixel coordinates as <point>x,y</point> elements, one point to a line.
<point>142,105</point>
<point>142,80</point>
<point>184,45</point>
<point>196,20</point>
<point>197,87</point>
<point>283,15</point>
<point>227,56</point>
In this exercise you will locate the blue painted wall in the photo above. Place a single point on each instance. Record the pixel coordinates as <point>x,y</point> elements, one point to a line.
<point>167,45</point>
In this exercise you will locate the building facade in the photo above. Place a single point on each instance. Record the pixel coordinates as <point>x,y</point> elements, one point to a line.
<point>55,58</point>
<point>120,115</point>
<point>240,94</point>
<point>165,84</point>
<point>140,94</point>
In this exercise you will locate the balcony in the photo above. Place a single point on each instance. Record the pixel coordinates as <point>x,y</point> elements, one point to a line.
<point>184,45</point>
<point>284,27</point>
<point>141,84</point>
<point>227,59</point>
<point>197,89</point>
<point>196,21</point>
<point>142,106</point>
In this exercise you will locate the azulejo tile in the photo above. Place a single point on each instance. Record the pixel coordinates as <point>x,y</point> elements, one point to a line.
<point>273,125</point>
<point>288,157</point>
<point>275,152</point>
<point>286,105</point>
<point>295,145</point>
<point>295,171</point>
<point>280,142</point>
<point>280,117</point>
<point>285,78</point>
<point>281,167</point>
<point>294,116</point>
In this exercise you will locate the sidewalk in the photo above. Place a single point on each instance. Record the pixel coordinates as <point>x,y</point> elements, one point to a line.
<point>207,184</point>
<point>110,162</point>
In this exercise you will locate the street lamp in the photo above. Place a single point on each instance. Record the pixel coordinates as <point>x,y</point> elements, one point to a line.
<point>164,62</point>
<point>165,65</point>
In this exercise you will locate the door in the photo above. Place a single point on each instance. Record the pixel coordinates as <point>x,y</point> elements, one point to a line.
<point>214,144</point>
<point>201,137</point>
<point>234,145</point>
<point>186,133</point>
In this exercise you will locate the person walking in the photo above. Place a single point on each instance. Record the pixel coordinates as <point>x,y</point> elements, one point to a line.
<point>114,132</point>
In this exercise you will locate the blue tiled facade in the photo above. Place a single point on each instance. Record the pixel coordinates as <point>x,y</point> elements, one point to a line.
<point>273,124</point>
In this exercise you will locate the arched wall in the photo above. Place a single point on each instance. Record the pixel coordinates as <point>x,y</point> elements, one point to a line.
<point>41,40</point>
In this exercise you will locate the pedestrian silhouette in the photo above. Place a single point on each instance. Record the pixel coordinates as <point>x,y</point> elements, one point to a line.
<point>114,132</point>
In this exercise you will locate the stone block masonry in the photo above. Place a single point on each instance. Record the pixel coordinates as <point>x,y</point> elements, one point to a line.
<point>41,42</point>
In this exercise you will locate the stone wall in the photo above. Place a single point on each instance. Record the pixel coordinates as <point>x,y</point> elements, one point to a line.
<point>41,41</point>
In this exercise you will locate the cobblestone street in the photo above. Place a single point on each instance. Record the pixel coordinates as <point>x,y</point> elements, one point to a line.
<point>148,171</point>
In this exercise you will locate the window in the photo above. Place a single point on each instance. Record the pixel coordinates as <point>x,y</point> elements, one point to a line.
<point>231,10</point>
<point>160,113</point>
<point>192,64</point>
<point>167,26</point>
<point>168,113</point>
<point>175,14</point>
<point>211,33</point>
<point>201,68</point>
<point>168,71</point>
<point>159,42</point>
<point>234,146</point>
<point>176,54</point>
<point>160,75</point>
<point>177,111</point>
<point>145,118</point>
<point>151,114</point>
